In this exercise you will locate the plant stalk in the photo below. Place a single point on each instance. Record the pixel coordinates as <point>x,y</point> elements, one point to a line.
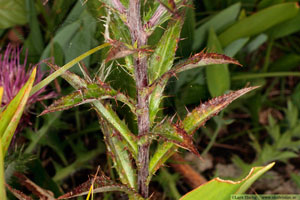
<point>139,37</point>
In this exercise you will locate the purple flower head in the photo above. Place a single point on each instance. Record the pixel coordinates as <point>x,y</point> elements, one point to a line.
<point>13,75</point>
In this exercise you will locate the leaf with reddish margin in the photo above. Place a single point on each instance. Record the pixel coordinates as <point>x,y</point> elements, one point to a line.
<point>198,60</point>
<point>117,148</point>
<point>119,50</point>
<point>35,189</point>
<point>205,111</point>
<point>192,122</point>
<point>92,92</point>
<point>175,134</point>
<point>18,194</point>
<point>101,184</point>
<point>160,62</point>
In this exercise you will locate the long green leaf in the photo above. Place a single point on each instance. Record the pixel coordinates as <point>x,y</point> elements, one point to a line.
<point>259,22</point>
<point>218,77</point>
<point>92,92</point>
<point>161,61</point>
<point>218,22</point>
<point>286,28</point>
<point>64,68</point>
<point>119,154</point>
<point>12,12</point>
<point>223,189</point>
<point>198,60</point>
<point>205,111</point>
<point>13,112</point>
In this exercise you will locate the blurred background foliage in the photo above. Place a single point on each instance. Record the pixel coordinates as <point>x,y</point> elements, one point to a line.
<point>60,149</point>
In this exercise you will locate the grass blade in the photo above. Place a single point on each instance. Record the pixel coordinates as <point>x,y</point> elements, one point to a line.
<point>64,68</point>
<point>259,22</point>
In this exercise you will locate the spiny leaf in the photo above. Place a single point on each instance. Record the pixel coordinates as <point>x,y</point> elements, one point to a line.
<point>162,153</point>
<point>193,121</point>
<point>163,56</point>
<point>158,12</point>
<point>175,134</point>
<point>121,157</point>
<point>119,50</point>
<point>106,111</point>
<point>205,111</point>
<point>18,194</point>
<point>161,61</point>
<point>198,60</point>
<point>101,184</point>
<point>92,92</point>
<point>73,79</point>
<point>35,189</point>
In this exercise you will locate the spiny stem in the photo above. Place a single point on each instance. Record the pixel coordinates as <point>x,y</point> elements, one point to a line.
<point>139,37</point>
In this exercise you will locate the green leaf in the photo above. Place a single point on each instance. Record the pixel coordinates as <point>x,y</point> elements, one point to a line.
<point>64,68</point>
<point>175,134</point>
<point>154,9</point>
<point>162,58</point>
<point>83,40</point>
<point>198,60</point>
<point>284,29</point>
<point>232,49</point>
<point>267,3</point>
<point>187,32</point>
<point>259,22</point>
<point>205,111</point>
<point>256,42</point>
<point>12,12</point>
<point>218,77</point>
<point>91,92</point>
<point>192,122</point>
<point>13,112</point>
<point>161,61</point>
<point>218,23</point>
<point>223,189</point>
<point>286,62</point>
<point>36,136</point>
<point>121,157</point>
<point>35,39</point>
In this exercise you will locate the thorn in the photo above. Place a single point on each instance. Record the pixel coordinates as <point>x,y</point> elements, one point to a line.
<point>172,118</point>
<point>187,110</point>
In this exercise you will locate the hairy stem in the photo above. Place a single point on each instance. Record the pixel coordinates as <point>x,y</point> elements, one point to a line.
<point>139,37</point>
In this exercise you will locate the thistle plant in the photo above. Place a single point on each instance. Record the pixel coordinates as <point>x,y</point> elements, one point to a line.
<point>129,25</point>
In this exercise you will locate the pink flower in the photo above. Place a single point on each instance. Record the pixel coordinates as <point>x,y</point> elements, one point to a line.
<point>13,75</point>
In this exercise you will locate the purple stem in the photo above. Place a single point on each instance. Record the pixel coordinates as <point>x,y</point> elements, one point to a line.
<point>139,36</point>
